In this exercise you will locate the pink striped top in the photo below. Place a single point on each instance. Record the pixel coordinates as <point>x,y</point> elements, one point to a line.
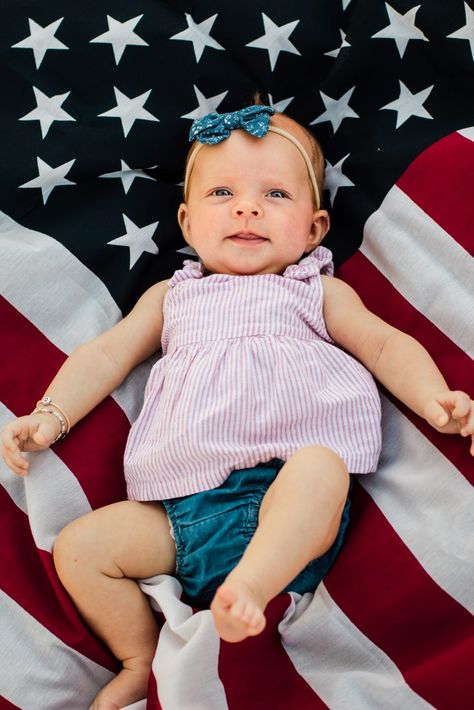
<point>248,373</point>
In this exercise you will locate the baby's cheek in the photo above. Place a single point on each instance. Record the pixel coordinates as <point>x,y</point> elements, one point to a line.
<point>295,237</point>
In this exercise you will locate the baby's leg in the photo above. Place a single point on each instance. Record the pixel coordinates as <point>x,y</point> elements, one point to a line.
<point>298,522</point>
<point>98,557</point>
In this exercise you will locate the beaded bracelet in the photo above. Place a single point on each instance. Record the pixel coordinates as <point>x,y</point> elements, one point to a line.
<point>63,431</point>
<point>60,415</point>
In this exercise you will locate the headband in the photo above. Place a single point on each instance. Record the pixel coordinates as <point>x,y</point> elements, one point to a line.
<point>214,128</point>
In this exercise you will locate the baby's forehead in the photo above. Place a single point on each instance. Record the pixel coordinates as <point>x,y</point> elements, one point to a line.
<point>244,157</point>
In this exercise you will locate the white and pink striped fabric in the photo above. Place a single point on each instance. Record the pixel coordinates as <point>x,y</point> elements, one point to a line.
<point>248,374</point>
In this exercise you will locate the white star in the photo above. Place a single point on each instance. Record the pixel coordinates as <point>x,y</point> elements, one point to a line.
<point>275,39</point>
<point>205,105</point>
<point>401,28</point>
<point>137,239</point>
<point>189,251</point>
<point>49,178</point>
<point>334,178</point>
<point>335,52</point>
<point>121,34</point>
<point>345,3</point>
<point>467,31</point>
<point>48,109</point>
<point>408,104</point>
<point>127,175</point>
<point>41,39</point>
<point>129,110</point>
<point>199,34</point>
<point>336,110</point>
<point>280,106</point>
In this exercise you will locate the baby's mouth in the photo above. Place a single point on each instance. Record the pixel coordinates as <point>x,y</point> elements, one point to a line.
<point>247,238</point>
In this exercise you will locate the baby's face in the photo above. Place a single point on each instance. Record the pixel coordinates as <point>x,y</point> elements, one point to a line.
<point>250,206</point>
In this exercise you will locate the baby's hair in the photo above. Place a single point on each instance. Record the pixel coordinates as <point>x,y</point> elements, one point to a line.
<point>188,158</point>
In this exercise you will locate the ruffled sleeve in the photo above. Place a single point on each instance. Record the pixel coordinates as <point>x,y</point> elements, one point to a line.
<point>318,262</point>
<point>191,270</point>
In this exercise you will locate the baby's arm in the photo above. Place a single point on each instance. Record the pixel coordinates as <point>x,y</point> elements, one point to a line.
<point>397,360</point>
<point>89,374</point>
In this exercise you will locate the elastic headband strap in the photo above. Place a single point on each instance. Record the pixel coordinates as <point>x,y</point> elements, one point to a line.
<point>273,129</point>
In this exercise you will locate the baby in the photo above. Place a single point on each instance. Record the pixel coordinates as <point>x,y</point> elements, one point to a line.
<point>238,467</point>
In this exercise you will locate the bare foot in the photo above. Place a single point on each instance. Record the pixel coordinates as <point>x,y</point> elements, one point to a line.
<point>237,611</point>
<point>126,688</point>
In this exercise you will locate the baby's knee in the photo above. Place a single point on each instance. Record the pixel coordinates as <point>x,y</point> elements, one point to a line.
<point>73,544</point>
<point>321,458</point>
<point>324,464</point>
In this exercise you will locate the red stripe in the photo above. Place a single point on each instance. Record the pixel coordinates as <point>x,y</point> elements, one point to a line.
<point>455,365</point>
<point>387,594</point>
<point>30,580</point>
<point>7,705</point>
<point>94,450</point>
<point>441,182</point>
<point>152,701</point>
<point>258,673</point>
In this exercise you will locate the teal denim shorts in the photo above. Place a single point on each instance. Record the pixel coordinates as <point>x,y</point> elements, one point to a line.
<point>212,529</point>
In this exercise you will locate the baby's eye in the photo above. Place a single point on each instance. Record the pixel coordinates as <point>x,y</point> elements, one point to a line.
<point>277,193</point>
<point>221,192</point>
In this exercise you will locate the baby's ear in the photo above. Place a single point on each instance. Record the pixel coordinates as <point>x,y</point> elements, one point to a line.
<point>183,221</point>
<point>319,229</point>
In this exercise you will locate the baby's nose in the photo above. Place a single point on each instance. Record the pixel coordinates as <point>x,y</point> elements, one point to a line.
<point>247,208</point>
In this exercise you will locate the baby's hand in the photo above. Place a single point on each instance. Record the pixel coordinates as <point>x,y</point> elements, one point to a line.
<point>452,413</point>
<point>34,432</point>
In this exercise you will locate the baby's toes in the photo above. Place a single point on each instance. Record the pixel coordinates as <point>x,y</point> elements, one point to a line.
<point>257,623</point>
<point>249,613</point>
<point>238,609</point>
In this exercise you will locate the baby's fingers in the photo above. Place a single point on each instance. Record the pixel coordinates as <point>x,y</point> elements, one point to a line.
<point>447,406</point>
<point>467,424</point>
<point>471,450</point>
<point>461,404</point>
<point>46,432</point>
<point>436,414</point>
<point>463,414</point>
<point>16,461</point>
<point>12,433</point>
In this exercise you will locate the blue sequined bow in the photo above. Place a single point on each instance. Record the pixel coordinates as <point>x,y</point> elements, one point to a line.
<point>215,127</point>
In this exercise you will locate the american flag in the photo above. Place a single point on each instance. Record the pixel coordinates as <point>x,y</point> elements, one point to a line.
<point>95,113</point>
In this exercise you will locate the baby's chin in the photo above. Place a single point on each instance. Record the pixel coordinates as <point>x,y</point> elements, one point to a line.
<point>242,269</point>
<point>243,272</point>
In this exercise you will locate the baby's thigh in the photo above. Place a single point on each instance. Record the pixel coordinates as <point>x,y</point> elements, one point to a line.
<point>130,538</point>
<point>314,475</point>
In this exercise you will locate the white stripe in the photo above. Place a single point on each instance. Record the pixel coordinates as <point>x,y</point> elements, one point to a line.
<point>64,299</point>
<point>59,282</point>
<point>50,494</point>
<point>338,661</point>
<point>40,672</point>
<point>429,268</point>
<point>467,133</point>
<point>187,657</point>
<point>428,502</point>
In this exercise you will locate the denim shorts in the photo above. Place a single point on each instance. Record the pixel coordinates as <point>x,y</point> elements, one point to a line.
<point>212,529</point>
